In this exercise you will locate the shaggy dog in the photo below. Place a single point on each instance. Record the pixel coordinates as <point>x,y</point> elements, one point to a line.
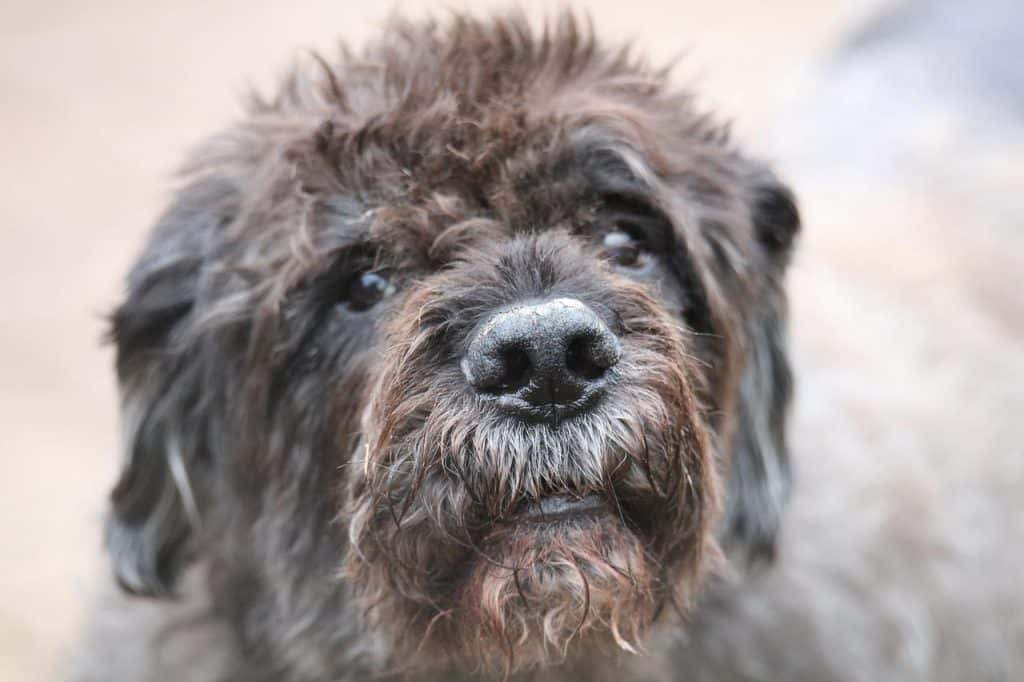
<point>460,359</point>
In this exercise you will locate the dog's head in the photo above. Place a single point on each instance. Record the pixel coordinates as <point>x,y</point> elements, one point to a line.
<point>451,342</point>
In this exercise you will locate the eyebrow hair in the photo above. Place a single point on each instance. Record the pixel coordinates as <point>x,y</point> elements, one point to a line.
<point>620,187</point>
<point>607,166</point>
<point>639,211</point>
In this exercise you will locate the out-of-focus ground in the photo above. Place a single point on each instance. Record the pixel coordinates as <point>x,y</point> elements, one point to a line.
<point>908,169</point>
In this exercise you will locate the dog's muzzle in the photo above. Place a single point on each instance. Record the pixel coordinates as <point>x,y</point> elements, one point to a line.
<point>542,361</point>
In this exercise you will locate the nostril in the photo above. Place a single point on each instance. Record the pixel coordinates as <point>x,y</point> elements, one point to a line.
<point>516,367</point>
<point>579,359</point>
<point>589,356</point>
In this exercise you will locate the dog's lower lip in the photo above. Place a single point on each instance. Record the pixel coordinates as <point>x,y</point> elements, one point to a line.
<point>561,507</point>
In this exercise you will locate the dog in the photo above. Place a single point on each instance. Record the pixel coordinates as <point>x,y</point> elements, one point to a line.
<point>465,358</point>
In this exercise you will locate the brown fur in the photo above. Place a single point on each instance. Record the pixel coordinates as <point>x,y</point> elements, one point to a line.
<point>349,501</point>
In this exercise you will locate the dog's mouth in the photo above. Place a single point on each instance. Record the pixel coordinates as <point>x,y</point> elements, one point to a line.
<point>556,509</point>
<point>566,514</point>
<point>557,516</point>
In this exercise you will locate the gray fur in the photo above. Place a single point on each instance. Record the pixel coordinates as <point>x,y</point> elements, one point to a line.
<point>271,445</point>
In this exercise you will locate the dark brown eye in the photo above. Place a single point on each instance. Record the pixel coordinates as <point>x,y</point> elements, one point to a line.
<point>623,249</point>
<point>367,289</point>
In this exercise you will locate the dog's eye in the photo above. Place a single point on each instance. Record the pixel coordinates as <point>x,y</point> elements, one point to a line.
<point>367,289</point>
<point>623,248</point>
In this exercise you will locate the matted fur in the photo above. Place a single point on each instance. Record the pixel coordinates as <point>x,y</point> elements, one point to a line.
<point>347,501</point>
<point>437,473</point>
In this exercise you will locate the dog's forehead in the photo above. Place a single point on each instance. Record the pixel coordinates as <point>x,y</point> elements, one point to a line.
<point>500,181</point>
<point>425,143</point>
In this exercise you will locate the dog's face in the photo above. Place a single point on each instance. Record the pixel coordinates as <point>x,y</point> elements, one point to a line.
<point>455,351</point>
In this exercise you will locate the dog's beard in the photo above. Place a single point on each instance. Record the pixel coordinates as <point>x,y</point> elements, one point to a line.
<point>540,590</point>
<point>443,559</point>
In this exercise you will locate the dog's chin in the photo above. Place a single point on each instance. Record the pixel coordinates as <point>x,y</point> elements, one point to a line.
<point>560,578</point>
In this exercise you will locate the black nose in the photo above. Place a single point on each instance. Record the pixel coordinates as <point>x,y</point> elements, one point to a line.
<point>546,359</point>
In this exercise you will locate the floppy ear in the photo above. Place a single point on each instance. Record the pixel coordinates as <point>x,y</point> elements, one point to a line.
<point>760,474</point>
<point>775,217</point>
<point>157,501</point>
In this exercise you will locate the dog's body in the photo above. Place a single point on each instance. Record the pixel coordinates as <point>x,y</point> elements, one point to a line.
<point>352,455</point>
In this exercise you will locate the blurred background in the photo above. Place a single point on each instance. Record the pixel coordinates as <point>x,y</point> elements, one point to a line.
<point>899,124</point>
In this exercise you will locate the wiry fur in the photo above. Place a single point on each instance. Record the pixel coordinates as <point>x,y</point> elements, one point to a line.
<point>436,473</point>
<point>345,499</point>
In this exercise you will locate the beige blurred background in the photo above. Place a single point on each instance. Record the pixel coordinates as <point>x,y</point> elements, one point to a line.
<point>100,100</point>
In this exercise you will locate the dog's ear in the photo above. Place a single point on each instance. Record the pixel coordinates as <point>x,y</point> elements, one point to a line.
<point>156,503</point>
<point>775,216</point>
<point>760,475</point>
